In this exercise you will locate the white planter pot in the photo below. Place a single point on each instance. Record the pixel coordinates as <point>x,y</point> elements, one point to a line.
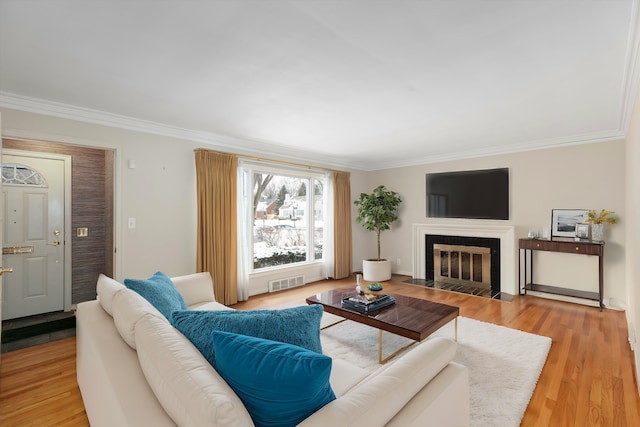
<point>376,271</point>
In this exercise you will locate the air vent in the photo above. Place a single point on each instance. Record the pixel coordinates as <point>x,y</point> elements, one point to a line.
<point>290,282</point>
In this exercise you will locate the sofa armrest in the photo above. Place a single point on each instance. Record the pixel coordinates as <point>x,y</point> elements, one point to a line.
<point>443,403</point>
<point>196,288</point>
<point>394,385</point>
<point>113,387</point>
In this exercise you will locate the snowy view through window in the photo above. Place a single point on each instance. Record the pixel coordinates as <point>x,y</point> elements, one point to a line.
<point>285,209</point>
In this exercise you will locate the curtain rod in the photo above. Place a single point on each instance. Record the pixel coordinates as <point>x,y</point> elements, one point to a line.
<point>263,159</point>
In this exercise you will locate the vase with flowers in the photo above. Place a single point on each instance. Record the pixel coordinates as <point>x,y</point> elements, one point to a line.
<point>598,221</point>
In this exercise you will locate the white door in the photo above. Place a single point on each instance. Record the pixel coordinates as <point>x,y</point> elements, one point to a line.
<point>33,245</point>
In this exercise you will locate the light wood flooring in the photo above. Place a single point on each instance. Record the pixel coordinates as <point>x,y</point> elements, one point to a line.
<point>588,378</point>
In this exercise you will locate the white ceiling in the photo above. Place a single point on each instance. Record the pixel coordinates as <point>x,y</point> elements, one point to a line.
<point>353,83</point>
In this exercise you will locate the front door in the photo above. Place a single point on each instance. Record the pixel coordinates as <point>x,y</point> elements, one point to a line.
<point>34,214</point>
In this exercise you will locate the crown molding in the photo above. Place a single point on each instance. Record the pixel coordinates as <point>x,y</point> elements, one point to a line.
<point>614,135</point>
<point>268,150</point>
<point>212,140</point>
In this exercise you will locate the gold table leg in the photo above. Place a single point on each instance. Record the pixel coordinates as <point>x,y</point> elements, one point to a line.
<point>455,332</point>
<point>333,324</point>
<point>382,360</point>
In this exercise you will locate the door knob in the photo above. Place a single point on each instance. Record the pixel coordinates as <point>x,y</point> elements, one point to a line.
<point>54,243</point>
<point>5,270</point>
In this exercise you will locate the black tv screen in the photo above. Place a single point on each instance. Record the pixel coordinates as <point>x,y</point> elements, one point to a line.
<point>475,194</point>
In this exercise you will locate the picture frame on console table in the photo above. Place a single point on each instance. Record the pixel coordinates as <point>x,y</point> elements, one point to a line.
<point>564,221</point>
<point>583,231</point>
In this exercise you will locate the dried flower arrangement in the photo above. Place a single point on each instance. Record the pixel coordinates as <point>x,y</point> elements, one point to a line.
<point>604,217</point>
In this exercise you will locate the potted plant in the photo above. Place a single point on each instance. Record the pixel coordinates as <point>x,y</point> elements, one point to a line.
<point>597,221</point>
<point>376,212</point>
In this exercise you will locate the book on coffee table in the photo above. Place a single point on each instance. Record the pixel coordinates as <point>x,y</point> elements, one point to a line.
<point>367,302</point>
<point>367,298</point>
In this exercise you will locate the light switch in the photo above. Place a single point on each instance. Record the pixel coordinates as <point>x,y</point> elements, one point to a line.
<point>82,231</point>
<point>132,223</point>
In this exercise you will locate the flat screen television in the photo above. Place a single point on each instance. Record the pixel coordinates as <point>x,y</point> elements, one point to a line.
<point>474,194</point>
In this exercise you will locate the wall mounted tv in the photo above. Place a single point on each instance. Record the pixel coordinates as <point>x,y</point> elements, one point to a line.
<point>474,194</point>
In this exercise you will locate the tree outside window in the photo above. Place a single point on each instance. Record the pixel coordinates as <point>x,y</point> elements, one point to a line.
<point>283,213</point>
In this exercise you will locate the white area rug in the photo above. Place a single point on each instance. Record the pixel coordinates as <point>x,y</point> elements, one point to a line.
<point>504,364</point>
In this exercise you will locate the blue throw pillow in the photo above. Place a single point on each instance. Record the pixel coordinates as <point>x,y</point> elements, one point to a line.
<point>280,384</point>
<point>298,326</point>
<point>160,291</point>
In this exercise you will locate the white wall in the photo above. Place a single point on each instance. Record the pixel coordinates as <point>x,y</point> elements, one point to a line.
<point>160,192</point>
<point>363,241</point>
<point>633,231</point>
<point>588,176</point>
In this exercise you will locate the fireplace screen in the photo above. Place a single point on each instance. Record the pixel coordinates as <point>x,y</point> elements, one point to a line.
<point>464,265</point>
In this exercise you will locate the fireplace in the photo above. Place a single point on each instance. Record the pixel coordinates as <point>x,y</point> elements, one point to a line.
<point>505,234</point>
<point>466,264</point>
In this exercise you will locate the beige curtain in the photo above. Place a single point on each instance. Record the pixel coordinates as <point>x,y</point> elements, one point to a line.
<point>216,180</point>
<point>342,224</point>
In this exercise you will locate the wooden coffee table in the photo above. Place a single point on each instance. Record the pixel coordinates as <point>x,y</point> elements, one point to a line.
<point>409,317</point>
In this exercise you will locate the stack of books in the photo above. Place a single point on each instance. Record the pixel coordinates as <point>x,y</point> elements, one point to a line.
<point>366,303</point>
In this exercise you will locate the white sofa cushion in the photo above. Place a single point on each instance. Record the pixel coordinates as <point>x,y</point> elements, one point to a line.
<point>344,376</point>
<point>128,309</point>
<point>195,288</point>
<point>209,306</point>
<point>114,389</point>
<point>394,385</point>
<point>444,402</point>
<point>106,288</point>
<point>187,386</point>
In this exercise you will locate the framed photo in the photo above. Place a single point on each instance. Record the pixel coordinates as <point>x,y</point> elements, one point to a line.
<point>583,231</point>
<point>563,221</point>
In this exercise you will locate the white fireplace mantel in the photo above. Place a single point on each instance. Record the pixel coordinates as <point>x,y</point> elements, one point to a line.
<point>506,234</point>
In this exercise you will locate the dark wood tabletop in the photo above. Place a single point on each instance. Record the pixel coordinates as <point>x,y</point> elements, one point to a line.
<point>409,317</point>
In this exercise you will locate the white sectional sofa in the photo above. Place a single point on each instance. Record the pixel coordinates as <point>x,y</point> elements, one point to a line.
<point>135,369</point>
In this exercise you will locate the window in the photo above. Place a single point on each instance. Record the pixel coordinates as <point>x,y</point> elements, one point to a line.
<point>21,175</point>
<point>286,215</point>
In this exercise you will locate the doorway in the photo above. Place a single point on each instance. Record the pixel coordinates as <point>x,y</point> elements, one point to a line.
<point>91,230</point>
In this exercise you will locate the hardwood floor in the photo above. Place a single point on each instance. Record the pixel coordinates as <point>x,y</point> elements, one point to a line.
<point>588,378</point>
<point>38,386</point>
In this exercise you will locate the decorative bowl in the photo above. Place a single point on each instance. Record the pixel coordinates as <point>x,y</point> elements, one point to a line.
<point>374,287</point>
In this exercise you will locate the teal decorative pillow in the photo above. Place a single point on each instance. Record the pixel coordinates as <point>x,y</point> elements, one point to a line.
<point>160,291</point>
<point>298,326</point>
<point>280,384</point>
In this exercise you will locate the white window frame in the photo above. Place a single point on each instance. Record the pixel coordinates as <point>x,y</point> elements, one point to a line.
<point>253,167</point>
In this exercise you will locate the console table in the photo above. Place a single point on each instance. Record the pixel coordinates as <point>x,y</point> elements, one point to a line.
<point>565,246</point>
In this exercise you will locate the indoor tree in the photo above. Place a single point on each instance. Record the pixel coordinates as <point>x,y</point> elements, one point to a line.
<point>376,211</point>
